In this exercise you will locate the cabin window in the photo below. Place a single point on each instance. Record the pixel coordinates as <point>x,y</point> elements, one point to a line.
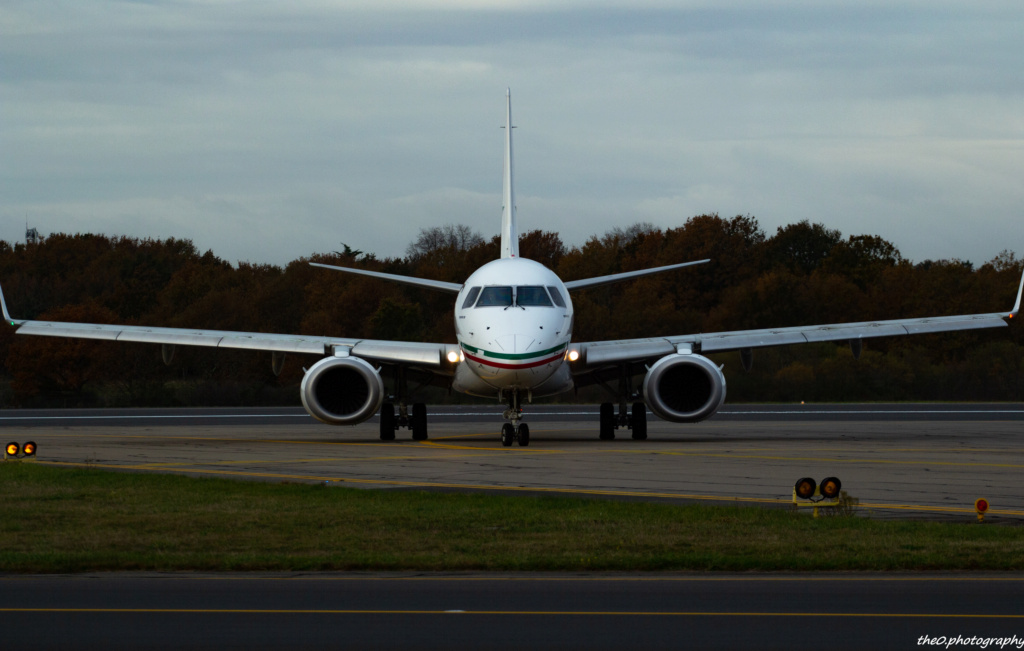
<point>556,296</point>
<point>530,296</point>
<point>495,297</point>
<point>471,298</point>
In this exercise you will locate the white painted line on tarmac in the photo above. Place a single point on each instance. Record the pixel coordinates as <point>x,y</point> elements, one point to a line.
<point>498,414</point>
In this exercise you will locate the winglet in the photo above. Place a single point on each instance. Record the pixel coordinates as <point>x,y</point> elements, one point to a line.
<point>509,236</point>
<point>12,321</point>
<point>1011,315</point>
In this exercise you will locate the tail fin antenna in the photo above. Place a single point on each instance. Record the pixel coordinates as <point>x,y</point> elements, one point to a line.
<point>509,234</point>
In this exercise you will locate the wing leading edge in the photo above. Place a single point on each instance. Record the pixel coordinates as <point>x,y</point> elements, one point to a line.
<point>598,353</point>
<point>428,355</point>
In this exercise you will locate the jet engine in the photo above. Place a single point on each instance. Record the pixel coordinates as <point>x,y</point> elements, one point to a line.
<point>342,390</point>
<point>684,388</point>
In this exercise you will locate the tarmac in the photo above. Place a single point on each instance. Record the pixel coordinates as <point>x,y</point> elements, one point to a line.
<point>920,461</point>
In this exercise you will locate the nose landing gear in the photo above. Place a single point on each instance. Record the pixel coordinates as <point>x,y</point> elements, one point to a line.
<point>515,430</point>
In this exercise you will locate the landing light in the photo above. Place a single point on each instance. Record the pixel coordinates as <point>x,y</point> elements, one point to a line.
<point>574,355</point>
<point>453,356</point>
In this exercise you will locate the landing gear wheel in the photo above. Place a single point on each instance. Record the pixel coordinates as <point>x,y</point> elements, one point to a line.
<point>419,422</point>
<point>638,421</point>
<point>523,435</point>
<point>508,434</point>
<point>607,431</point>
<point>387,422</point>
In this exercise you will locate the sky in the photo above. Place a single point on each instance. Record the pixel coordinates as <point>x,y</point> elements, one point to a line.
<point>269,131</point>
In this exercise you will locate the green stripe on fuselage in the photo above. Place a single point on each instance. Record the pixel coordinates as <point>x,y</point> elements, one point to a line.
<point>514,356</point>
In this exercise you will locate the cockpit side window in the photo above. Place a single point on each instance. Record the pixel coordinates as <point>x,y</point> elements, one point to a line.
<point>556,296</point>
<point>495,297</point>
<point>471,298</point>
<point>532,296</point>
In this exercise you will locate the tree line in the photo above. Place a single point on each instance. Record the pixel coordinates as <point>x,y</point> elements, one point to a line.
<point>804,273</point>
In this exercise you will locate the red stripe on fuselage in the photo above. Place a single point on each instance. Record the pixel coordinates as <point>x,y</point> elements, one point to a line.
<point>487,362</point>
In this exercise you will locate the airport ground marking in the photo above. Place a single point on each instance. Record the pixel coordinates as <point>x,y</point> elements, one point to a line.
<point>549,613</point>
<point>669,577</point>
<point>795,411</point>
<point>841,460</point>
<point>779,501</point>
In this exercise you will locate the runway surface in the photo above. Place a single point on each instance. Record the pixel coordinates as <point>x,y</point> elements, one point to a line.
<point>509,612</point>
<point>930,461</point>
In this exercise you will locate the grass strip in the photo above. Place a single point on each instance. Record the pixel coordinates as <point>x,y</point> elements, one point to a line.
<point>77,520</point>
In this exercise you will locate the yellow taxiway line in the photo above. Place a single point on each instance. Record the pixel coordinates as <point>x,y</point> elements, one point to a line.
<point>523,489</point>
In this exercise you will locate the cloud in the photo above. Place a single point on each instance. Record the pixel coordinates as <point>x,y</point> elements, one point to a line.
<point>265,130</point>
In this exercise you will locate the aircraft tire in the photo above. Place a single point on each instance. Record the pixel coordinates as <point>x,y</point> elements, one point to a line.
<point>508,434</point>
<point>607,432</point>
<point>523,435</point>
<point>387,422</point>
<point>638,421</point>
<point>419,422</point>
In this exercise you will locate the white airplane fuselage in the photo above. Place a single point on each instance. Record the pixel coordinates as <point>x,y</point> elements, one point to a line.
<point>513,321</point>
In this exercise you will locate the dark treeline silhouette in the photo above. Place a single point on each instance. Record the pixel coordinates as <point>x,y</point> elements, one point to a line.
<point>803,274</point>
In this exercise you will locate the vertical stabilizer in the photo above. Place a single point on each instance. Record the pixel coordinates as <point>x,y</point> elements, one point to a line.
<point>509,234</point>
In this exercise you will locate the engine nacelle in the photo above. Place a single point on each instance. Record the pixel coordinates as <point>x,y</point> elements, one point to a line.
<point>684,388</point>
<point>342,390</point>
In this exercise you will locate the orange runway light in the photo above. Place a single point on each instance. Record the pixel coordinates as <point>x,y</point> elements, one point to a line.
<point>830,487</point>
<point>805,488</point>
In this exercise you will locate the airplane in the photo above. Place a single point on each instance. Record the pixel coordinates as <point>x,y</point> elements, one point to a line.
<point>513,326</point>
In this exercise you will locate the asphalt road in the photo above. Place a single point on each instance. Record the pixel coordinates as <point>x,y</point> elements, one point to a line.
<point>509,612</point>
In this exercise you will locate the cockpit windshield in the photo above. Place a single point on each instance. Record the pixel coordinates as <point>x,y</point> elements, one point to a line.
<point>532,297</point>
<point>471,297</point>
<point>502,296</point>
<point>556,296</point>
<point>495,297</point>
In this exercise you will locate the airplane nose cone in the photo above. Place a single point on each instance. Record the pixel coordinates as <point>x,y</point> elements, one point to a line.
<point>514,344</point>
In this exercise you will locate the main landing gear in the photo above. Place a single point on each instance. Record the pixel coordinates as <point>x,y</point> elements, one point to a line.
<point>389,422</point>
<point>636,420</point>
<point>515,430</point>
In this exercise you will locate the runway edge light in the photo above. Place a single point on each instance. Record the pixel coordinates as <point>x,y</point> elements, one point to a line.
<point>981,506</point>
<point>16,451</point>
<point>830,487</point>
<point>804,488</point>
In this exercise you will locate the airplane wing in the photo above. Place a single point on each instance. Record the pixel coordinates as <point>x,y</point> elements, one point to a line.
<point>573,285</point>
<point>439,285</point>
<point>596,354</point>
<point>427,355</point>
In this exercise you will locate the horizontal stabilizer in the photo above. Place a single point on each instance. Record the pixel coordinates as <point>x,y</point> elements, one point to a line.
<point>573,285</point>
<point>439,285</point>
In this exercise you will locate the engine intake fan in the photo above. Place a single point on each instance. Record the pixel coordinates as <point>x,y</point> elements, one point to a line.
<point>684,388</point>
<point>342,390</point>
